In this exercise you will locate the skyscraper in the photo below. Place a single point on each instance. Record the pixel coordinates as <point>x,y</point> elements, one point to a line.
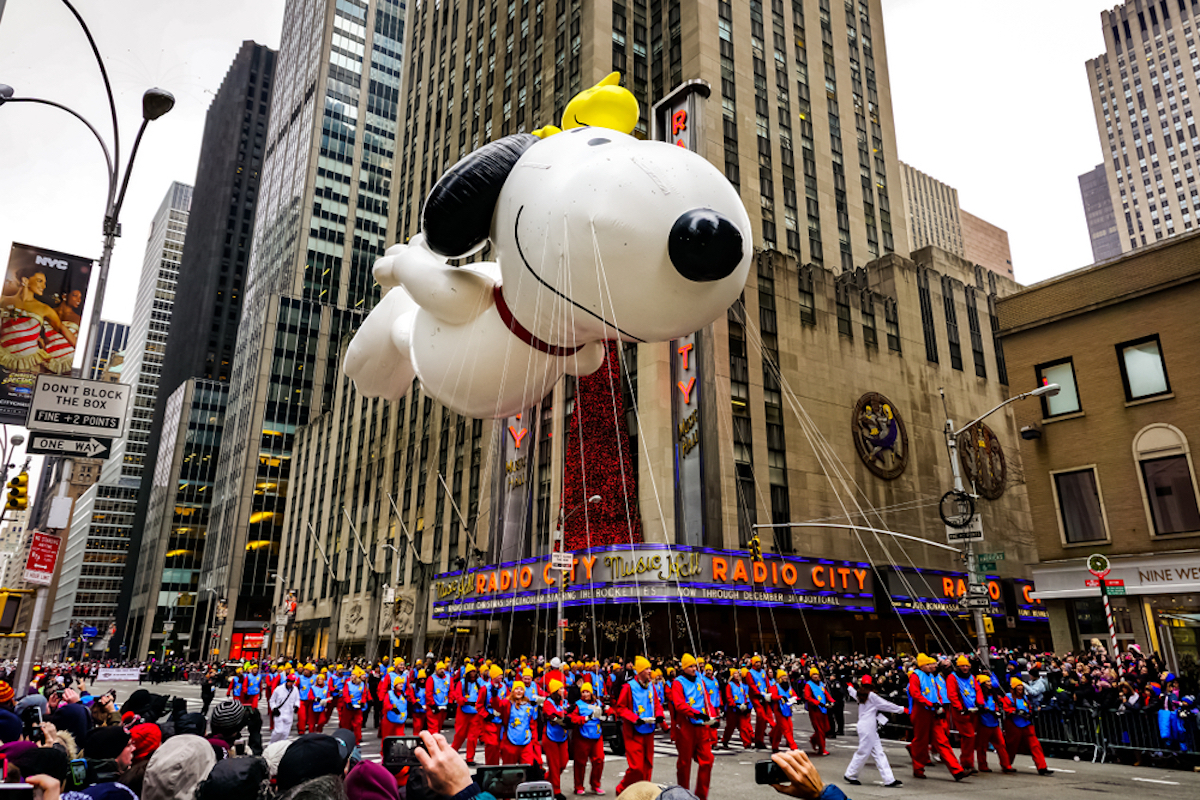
<point>204,329</point>
<point>1142,88</point>
<point>94,561</point>
<point>111,337</point>
<point>1098,209</point>
<point>935,217</point>
<point>323,220</point>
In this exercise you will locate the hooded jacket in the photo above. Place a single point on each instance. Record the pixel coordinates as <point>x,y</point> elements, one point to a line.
<point>177,767</point>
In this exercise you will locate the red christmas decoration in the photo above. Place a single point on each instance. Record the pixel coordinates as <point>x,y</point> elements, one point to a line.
<point>598,463</point>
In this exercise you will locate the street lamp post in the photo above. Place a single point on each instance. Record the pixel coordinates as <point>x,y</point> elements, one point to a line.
<point>560,543</point>
<point>974,575</point>
<point>155,103</point>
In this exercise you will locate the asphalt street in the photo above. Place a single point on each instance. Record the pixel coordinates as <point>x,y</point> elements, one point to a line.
<point>733,772</point>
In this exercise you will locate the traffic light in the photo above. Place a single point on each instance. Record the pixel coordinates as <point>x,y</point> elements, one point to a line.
<point>755,548</point>
<point>18,493</point>
<point>10,607</point>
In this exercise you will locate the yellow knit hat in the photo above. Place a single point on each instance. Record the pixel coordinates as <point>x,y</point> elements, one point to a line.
<point>640,664</point>
<point>962,661</point>
<point>924,660</point>
<point>555,686</point>
<point>586,687</point>
<point>518,685</point>
<point>420,674</point>
<point>495,672</point>
<point>783,674</point>
<point>1015,682</point>
<point>527,673</point>
<point>985,679</point>
<point>811,671</point>
<point>688,660</point>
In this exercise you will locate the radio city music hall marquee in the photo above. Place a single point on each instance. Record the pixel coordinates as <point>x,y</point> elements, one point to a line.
<point>649,573</point>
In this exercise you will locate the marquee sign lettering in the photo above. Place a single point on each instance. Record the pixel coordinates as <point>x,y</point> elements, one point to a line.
<point>658,573</point>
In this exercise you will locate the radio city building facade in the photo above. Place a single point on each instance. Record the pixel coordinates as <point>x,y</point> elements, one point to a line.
<point>814,400</point>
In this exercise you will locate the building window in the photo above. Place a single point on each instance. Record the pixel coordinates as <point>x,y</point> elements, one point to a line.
<point>1142,368</point>
<point>808,300</point>
<point>1077,495</point>
<point>1168,484</point>
<point>1066,401</point>
<point>842,297</point>
<point>931,349</point>
<point>951,323</point>
<point>891,317</point>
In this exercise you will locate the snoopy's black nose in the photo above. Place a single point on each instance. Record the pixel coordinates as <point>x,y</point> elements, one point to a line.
<point>704,245</point>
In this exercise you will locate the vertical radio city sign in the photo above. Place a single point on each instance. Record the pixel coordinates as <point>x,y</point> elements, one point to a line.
<point>677,119</point>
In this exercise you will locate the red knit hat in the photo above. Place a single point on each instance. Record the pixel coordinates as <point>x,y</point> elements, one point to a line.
<point>147,738</point>
<point>6,692</point>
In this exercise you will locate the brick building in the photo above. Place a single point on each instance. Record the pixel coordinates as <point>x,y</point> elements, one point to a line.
<point>1108,463</point>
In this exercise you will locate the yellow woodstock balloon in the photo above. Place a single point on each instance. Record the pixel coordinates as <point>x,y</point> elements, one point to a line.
<point>605,105</point>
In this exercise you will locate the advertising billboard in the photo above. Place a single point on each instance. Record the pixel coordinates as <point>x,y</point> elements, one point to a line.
<point>41,311</point>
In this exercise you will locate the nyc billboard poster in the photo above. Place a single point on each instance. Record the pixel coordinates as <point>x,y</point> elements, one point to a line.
<point>41,311</point>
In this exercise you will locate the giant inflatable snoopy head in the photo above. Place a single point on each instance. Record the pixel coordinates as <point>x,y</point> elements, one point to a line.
<point>596,235</point>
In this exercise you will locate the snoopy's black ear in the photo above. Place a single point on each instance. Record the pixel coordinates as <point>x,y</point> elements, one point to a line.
<point>458,211</point>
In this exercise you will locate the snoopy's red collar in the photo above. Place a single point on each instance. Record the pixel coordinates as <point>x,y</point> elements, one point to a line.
<point>523,333</point>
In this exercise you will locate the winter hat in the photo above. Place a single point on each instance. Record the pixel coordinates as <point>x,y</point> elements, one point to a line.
<point>369,781</point>
<point>310,756</point>
<point>6,692</point>
<point>177,767</point>
<point>924,660</point>
<point>640,664</point>
<point>147,738</point>
<point>227,715</point>
<point>234,779</point>
<point>36,760</point>
<point>193,722</point>
<point>273,754</point>
<point>105,743</point>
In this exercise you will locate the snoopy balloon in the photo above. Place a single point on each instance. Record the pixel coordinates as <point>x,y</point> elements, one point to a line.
<point>596,234</point>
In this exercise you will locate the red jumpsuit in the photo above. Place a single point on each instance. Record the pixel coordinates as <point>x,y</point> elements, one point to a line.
<point>963,706</point>
<point>926,694</point>
<point>557,753</point>
<point>816,699</point>
<point>587,745</point>
<point>393,705</point>
<point>1019,732</point>
<point>737,713</point>
<point>354,706</point>
<point>760,696</point>
<point>782,729</point>
<point>988,730</point>
<point>639,747</point>
<point>435,717</point>
<point>468,726</point>
<point>493,725</point>
<point>510,751</point>
<point>417,696</point>
<point>690,704</point>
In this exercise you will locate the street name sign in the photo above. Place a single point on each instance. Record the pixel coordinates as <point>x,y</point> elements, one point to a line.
<point>62,444</point>
<point>79,407</point>
<point>972,533</point>
<point>990,556</point>
<point>976,602</point>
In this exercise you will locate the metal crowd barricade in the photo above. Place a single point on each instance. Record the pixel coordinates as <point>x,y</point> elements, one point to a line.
<point>1069,733</point>
<point>1141,732</point>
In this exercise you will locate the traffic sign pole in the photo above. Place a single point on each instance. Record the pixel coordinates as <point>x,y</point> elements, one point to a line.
<point>25,669</point>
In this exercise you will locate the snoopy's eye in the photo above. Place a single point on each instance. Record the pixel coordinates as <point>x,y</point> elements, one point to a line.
<point>597,141</point>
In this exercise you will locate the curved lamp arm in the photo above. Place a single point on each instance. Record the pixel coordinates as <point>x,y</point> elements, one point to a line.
<point>112,178</point>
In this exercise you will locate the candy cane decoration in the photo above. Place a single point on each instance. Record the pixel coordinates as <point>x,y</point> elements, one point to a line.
<point>1108,615</point>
